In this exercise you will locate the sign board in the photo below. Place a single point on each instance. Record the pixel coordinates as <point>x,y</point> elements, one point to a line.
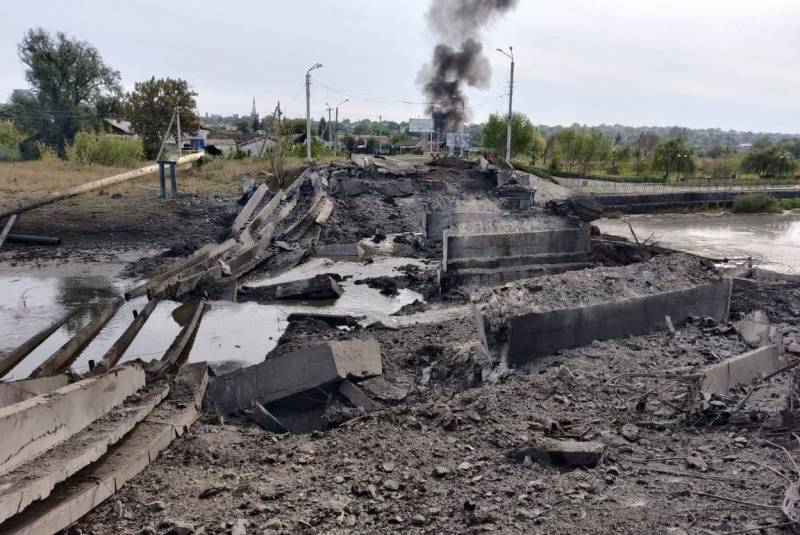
<point>456,140</point>
<point>420,126</point>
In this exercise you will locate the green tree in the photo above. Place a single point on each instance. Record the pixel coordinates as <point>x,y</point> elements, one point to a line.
<point>768,161</point>
<point>150,106</point>
<point>672,156</point>
<point>71,87</point>
<point>322,128</point>
<point>522,134</point>
<point>10,138</point>
<point>538,146</point>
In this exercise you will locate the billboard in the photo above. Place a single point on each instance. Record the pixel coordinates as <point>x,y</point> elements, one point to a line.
<point>420,126</point>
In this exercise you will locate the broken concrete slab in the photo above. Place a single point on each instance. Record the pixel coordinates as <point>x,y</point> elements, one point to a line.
<point>357,397</point>
<point>35,425</point>
<point>97,482</point>
<point>322,286</point>
<point>35,480</point>
<point>247,211</point>
<point>754,328</point>
<point>289,374</point>
<point>562,453</point>
<point>742,369</point>
<point>264,419</point>
<point>528,335</point>
<point>16,355</point>
<point>398,187</point>
<point>64,356</point>
<point>335,250</point>
<point>15,391</point>
<point>381,389</point>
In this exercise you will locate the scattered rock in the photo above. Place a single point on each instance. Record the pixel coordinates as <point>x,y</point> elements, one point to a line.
<point>440,471</point>
<point>564,453</point>
<point>630,432</point>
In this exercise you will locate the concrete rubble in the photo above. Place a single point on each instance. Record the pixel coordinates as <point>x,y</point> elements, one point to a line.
<point>540,371</point>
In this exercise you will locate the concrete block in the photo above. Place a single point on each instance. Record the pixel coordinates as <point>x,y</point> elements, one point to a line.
<point>37,424</point>
<point>536,334</point>
<point>321,286</point>
<point>396,187</point>
<point>754,328</point>
<point>264,419</point>
<point>339,249</point>
<point>564,453</point>
<point>35,480</point>
<point>437,222</point>
<point>719,378</point>
<point>289,374</point>
<point>15,391</point>
<point>501,275</point>
<point>357,397</point>
<point>102,479</point>
<point>513,237</point>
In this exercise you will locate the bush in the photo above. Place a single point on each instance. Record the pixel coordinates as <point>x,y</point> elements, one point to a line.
<point>47,153</point>
<point>789,204</point>
<point>10,139</point>
<point>755,203</point>
<point>318,149</point>
<point>105,149</point>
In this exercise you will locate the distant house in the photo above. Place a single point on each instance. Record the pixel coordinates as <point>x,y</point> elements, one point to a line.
<point>119,127</point>
<point>254,147</point>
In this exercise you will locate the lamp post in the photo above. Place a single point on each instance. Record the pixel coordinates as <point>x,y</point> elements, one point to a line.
<point>336,128</point>
<point>509,55</point>
<point>308,109</point>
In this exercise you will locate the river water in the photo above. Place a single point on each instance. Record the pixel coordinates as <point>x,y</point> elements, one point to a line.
<point>772,240</point>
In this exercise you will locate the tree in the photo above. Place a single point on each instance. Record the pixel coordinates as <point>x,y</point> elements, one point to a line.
<point>522,134</point>
<point>322,128</point>
<point>243,125</point>
<point>768,161</point>
<point>538,146</point>
<point>672,156</point>
<point>150,106</point>
<point>71,87</point>
<point>10,138</point>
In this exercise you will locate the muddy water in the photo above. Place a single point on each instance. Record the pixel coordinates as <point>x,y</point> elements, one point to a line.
<point>772,240</point>
<point>246,332</point>
<point>241,332</point>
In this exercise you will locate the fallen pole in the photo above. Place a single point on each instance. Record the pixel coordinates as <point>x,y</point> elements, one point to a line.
<point>30,204</point>
<point>32,240</point>
<point>66,354</point>
<point>10,360</point>
<point>116,351</point>
<point>7,228</point>
<point>247,212</point>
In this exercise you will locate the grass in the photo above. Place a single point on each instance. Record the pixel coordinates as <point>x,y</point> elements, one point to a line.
<point>755,203</point>
<point>215,176</point>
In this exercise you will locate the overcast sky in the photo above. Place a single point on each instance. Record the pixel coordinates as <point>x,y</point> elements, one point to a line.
<point>731,64</point>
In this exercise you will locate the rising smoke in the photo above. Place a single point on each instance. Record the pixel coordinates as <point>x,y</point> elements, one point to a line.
<point>458,59</point>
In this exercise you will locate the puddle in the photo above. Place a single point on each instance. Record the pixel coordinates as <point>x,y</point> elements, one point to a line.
<point>246,332</point>
<point>239,332</point>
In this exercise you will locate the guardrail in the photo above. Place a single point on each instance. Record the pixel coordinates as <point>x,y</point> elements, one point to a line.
<point>591,186</point>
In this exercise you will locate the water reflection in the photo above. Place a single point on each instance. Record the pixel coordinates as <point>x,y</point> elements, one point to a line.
<point>771,239</point>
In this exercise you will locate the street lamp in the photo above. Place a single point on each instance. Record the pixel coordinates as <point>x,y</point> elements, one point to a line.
<point>308,109</point>
<point>336,128</point>
<point>509,55</point>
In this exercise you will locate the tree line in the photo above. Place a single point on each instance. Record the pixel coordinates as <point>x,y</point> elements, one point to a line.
<point>584,151</point>
<point>72,90</point>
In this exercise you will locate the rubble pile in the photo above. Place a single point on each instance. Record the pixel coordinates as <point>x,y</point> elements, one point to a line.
<point>548,379</point>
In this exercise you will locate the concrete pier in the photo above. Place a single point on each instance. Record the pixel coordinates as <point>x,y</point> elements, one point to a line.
<point>497,251</point>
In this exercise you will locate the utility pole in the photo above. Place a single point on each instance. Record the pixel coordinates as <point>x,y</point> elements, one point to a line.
<point>510,98</point>
<point>178,119</point>
<point>329,126</point>
<point>308,109</point>
<point>277,113</point>
<point>336,128</point>
<point>380,127</point>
